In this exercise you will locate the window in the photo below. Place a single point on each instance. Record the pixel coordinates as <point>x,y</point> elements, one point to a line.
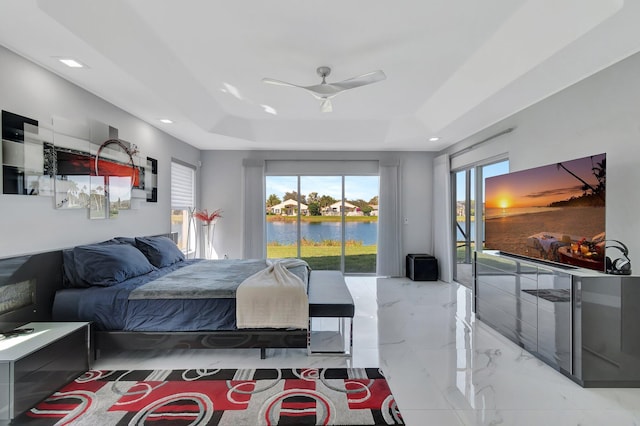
<point>183,199</point>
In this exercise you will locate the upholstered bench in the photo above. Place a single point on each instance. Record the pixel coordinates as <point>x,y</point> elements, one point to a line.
<point>329,297</point>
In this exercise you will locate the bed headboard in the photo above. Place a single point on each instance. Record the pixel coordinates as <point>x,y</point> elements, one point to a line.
<point>28,285</point>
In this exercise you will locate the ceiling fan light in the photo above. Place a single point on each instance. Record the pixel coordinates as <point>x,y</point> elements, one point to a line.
<point>326,106</point>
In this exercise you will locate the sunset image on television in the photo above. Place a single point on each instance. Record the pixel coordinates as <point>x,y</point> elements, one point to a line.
<point>555,212</point>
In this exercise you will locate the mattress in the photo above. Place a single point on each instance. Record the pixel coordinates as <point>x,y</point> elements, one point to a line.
<point>194,295</point>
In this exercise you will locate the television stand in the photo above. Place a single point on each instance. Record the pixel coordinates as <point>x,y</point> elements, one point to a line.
<point>581,322</point>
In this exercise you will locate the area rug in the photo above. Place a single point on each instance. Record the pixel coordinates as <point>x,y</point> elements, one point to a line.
<point>234,397</point>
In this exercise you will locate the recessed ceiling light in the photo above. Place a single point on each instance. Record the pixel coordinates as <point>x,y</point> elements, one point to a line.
<point>165,121</point>
<point>433,139</point>
<point>72,63</point>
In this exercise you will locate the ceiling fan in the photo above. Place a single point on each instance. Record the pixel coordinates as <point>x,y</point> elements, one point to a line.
<point>326,91</point>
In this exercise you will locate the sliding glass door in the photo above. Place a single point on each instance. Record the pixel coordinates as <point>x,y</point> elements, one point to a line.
<point>469,214</point>
<point>329,221</point>
<point>282,208</point>
<point>465,224</point>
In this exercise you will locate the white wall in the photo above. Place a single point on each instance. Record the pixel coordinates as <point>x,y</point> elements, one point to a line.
<point>222,188</point>
<point>599,114</point>
<point>31,223</point>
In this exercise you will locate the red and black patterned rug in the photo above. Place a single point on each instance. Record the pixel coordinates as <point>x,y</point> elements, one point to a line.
<point>323,396</point>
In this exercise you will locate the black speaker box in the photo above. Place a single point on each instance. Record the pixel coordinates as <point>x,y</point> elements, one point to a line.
<point>422,267</point>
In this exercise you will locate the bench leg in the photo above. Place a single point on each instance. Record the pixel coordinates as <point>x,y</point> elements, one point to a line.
<point>347,343</point>
<point>309,338</point>
<point>350,336</point>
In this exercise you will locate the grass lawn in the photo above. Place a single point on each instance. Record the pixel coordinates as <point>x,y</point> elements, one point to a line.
<point>358,259</point>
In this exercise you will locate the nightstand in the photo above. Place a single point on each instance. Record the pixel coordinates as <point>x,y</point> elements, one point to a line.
<point>33,366</point>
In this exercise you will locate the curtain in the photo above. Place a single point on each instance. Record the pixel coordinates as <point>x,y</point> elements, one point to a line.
<point>253,238</point>
<point>389,262</point>
<point>442,234</point>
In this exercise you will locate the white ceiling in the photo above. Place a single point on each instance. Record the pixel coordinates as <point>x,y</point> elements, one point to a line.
<point>453,67</point>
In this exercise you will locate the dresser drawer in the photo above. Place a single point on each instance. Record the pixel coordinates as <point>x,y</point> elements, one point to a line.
<point>508,283</point>
<point>490,264</point>
<point>508,325</point>
<point>34,366</point>
<point>511,305</point>
<point>74,343</point>
<point>41,373</point>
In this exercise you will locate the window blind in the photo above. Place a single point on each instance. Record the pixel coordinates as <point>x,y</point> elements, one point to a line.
<point>182,186</point>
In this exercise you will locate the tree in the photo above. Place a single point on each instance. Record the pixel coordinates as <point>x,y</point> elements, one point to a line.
<point>293,195</point>
<point>326,200</point>
<point>600,172</point>
<point>363,206</point>
<point>314,209</point>
<point>312,198</point>
<point>374,201</point>
<point>272,200</point>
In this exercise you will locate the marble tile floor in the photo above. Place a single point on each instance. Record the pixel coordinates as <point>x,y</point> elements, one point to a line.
<point>443,366</point>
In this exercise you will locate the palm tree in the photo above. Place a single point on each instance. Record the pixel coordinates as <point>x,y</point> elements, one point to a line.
<point>599,172</point>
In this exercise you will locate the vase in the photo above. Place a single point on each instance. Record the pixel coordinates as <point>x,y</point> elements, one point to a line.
<point>208,231</point>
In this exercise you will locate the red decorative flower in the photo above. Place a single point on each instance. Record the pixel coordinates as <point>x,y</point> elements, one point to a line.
<point>204,216</point>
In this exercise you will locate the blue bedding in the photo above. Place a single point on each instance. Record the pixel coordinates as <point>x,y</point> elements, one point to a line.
<point>188,299</point>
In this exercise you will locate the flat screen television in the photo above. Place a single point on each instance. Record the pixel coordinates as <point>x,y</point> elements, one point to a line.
<point>554,213</point>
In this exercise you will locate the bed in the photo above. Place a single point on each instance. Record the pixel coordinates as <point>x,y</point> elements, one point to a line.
<point>58,289</point>
<point>108,284</point>
<point>141,293</point>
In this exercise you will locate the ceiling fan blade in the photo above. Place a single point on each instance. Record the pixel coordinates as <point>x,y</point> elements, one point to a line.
<point>361,80</point>
<point>325,91</point>
<point>280,83</point>
<point>326,106</point>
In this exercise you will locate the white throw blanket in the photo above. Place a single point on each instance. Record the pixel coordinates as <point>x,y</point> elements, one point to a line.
<point>274,297</point>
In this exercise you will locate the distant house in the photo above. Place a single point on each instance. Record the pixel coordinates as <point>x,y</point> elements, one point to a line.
<point>374,210</point>
<point>335,209</point>
<point>289,208</point>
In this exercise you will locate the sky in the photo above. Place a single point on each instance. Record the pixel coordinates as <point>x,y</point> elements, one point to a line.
<point>540,186</point>
<point>489,170</point>
<point>356,187</point>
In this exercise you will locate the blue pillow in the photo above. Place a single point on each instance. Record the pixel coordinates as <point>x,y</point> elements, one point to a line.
<point>109,264</point>
<point>70,278</point>
<point>124,240</point>
<point>161,251</point>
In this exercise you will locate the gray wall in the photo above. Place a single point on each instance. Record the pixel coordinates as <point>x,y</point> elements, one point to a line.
<point>31,223</point>
<point>598,114</point>
<point>222,189</point>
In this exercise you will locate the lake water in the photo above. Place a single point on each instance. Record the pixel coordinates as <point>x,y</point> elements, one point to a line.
<point>286,232</point>
<point>367,232</point>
